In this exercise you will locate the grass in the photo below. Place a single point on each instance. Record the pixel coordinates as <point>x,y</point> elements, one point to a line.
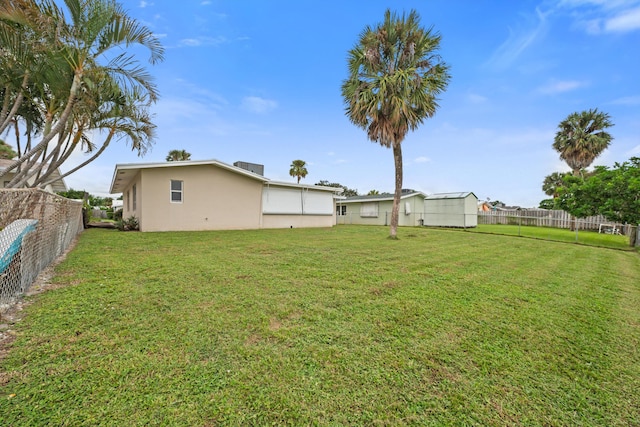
<point>329,327</point>
<point>583,237</point>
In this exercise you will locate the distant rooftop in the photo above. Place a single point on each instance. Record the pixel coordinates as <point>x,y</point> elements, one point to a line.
<point>459,195</point>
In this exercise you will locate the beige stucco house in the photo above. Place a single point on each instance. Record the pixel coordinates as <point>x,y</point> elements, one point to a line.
<point>212,195</point>
<point>376,210</point>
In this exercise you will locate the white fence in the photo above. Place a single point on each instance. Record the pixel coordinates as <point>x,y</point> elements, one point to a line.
<point>550,218</point>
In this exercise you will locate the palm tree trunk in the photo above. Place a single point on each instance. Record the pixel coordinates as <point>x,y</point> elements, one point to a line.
<point>7,118</point>
<point>397,160</point>
<point>73,93</point>
<point>83,164</point>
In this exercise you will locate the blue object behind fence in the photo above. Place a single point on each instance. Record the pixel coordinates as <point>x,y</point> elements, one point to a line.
<point>11,240</point>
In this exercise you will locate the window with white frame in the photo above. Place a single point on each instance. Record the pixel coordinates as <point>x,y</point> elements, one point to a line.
<point>369,210</point>
<point>341,210</point>
<point>134,197</point>
<point>176,191</point>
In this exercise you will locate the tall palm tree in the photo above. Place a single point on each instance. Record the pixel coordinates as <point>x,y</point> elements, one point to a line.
<point>298,169</point>
<point>582,137</point>
<point>395,76</point>
<point>59,57</point>
<point>178,155</point>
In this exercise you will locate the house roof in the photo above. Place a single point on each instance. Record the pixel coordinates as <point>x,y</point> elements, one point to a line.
<point>124,173</point>
<point>381,197</point>
<point>459,195</point>
<point>57,186</point>
<point>336,190</point>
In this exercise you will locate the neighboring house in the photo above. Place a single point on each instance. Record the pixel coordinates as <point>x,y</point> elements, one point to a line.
<point>451,210</point>
<point>212,195</point>
<point>117,205</point>
<point>57,186</point>
<point>376,210</point>
<point>486,207</point>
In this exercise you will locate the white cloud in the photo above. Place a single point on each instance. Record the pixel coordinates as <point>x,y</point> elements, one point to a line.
<point>144,4</point>
<point>422,159</point>
<point>627,100</point>
<point>474,98</point>
<point>604,16</point>
<point>519,41</point>
<point>255,104</point>
<point>635,151</point>
<point>627,20</point>
<point>561,86</point>
<point>203,41</point>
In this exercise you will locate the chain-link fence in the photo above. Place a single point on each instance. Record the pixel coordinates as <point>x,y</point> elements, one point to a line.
<point>35,228</point>
<point>527,220</point>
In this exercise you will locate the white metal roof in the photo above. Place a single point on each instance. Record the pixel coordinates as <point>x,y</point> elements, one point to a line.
<point>460,195</point>
<point>380,197</point>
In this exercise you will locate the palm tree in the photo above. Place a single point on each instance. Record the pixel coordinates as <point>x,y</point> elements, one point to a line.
<point>178,155</point>
<point>6,152</point>
<point>581,137</point>
<point>373,193</point>
<point>298,169</point>
<point>552,183</point>
<point>59,59</point>
<point>395,76</point>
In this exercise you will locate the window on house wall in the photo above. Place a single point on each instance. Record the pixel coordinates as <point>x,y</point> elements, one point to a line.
<point>128,205</point>
<point>176,191</point>
<point>369,210</point>
<point>134,197</point>
<point>341,210</point>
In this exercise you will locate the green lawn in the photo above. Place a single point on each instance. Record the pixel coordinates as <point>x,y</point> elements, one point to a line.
<point>583,237</point>
<point>329,327</point>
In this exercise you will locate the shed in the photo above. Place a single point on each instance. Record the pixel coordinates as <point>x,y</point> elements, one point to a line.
<point>451,210</point>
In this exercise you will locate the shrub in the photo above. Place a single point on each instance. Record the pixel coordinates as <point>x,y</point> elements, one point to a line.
<point>129,224</point>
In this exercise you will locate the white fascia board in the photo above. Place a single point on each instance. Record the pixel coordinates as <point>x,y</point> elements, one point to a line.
<point>336,190</point>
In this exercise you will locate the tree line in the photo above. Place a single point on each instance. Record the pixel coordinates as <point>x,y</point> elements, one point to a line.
<point>613,192</point>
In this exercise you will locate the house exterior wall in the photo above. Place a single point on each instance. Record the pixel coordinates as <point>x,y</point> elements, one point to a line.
<point>212,199</point>
<point>286,207</point>
<point>128,203</point>
<point>10,175</point>
<point>405,219</point>
<point>297,221</point>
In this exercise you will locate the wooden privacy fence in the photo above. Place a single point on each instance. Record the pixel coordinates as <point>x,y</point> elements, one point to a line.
<point>552,218</point>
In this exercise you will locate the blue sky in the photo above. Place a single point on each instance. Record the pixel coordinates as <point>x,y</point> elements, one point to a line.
<point>259,81</point>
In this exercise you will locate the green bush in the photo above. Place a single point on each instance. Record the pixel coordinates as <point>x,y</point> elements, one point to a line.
<point>129,224</point>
